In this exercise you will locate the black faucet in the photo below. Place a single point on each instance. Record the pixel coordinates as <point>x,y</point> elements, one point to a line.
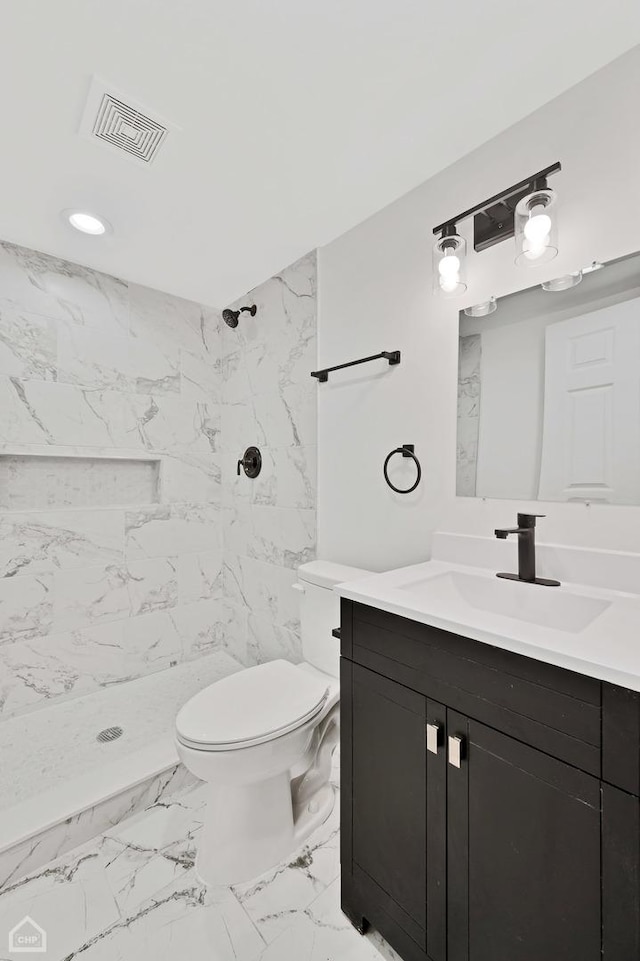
<point>526,531</point>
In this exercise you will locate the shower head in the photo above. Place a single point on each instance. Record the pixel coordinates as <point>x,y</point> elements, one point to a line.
<point>231,317</point>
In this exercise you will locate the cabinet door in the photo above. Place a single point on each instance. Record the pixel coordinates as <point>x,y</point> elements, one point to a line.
<point>524,852</point>
<point>395,860</point>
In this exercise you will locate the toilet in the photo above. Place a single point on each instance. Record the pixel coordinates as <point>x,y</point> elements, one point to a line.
<point>263,739</point>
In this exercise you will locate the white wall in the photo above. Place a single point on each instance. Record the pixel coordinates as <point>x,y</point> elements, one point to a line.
<point>375,294</point>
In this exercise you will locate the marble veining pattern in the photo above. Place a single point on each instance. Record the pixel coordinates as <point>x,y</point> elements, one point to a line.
<point>34,853</point>
<point>132,894</point>
<point>40,543</point>
<point>269,398</point>
<point>94,592</point>
<point>110,481</point>
<point>27,344</point>
<point>469,387</point>
<point>60,290</point>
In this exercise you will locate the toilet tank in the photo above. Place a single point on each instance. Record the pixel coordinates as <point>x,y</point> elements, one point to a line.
<point>320,611</point>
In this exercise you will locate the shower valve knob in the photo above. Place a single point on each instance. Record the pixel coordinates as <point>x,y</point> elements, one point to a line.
<point>250,462</point>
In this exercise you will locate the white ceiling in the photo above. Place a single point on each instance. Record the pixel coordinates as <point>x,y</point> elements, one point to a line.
<point>298,119</point>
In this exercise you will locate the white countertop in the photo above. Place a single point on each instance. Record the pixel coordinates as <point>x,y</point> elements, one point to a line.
<point>606,646</point>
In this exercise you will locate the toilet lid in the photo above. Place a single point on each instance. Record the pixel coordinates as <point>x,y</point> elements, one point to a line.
<point>254,705</point>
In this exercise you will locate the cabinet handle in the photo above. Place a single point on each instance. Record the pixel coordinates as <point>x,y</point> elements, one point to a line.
<point>433,737</point>
<point>456,744</point>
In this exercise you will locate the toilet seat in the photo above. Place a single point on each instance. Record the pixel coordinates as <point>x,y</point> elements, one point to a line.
<point>251,707</point>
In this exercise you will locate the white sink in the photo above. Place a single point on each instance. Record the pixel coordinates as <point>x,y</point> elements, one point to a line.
<point>588,624</point>
<point>546,606</point>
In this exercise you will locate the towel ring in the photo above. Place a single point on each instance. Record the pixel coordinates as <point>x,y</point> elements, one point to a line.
<point>407,450</point>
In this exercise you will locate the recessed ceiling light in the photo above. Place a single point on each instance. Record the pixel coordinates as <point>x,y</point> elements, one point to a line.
<point>87,223</point>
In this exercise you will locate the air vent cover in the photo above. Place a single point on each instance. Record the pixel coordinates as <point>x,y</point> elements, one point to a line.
<point>115,119</point>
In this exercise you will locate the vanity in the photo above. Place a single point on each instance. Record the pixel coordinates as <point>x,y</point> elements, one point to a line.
<point>490,792</point>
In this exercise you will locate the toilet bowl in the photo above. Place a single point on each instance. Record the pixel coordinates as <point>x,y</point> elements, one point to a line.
<point>263,739</point>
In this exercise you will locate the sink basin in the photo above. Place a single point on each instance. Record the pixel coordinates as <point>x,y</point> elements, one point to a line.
<point>544,606</point>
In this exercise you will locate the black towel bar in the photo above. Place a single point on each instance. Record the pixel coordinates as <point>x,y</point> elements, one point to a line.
<point>393,356</point>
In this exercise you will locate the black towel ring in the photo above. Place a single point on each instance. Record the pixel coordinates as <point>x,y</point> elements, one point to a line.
<point>407,450</point>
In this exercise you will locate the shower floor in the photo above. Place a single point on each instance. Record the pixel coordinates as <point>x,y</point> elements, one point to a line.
<point>53,766</point>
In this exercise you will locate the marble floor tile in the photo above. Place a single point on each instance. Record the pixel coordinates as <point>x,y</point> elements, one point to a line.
<point>321,933</point>
<point>274,899</point>
<point>132,894</point>
<point>71,911</point>
<point>135,874</point>
<point>188,921</point>
<point>162,826</point>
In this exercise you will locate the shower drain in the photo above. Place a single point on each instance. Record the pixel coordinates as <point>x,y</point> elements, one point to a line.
<point>109,734</point>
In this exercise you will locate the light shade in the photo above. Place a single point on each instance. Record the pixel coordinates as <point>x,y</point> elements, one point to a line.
<point>87,223</point>
<point>482,310</point>
<point>536,228</point>
<point>563,283</point>
<point>449,264</point>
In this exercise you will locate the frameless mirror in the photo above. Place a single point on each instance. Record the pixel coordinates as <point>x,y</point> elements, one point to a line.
<point>549,392</point>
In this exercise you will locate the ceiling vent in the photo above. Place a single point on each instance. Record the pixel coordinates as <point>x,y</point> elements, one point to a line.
<point>116,120</point>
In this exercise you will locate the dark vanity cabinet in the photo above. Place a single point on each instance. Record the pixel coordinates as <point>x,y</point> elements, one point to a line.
<point>490,802</point>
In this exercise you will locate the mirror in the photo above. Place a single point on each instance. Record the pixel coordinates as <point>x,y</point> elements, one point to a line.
<point>549,392</point>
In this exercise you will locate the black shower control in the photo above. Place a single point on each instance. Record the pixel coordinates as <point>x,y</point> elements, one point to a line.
<point>250,462</point>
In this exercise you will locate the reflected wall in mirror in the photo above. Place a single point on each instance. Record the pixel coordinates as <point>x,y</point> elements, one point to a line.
<point>549,392</point>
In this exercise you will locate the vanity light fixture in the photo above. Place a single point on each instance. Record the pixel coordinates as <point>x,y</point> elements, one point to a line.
<point>526,211</point>
<point>87,223</point>
<point>482,310</point>
<point>449,253</point>
<point>566,282</point>
<point>536,227</point>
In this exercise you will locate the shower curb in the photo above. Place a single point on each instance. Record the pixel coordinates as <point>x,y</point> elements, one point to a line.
<point>33,852</point>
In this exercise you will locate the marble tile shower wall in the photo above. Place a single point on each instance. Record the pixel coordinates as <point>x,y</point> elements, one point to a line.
<point>93,366</point>
<point>269,399</point>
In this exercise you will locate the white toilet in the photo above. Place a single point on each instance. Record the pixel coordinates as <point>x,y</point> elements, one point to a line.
<point>263,740</point>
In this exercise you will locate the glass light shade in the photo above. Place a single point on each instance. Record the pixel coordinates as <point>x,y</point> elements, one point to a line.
<point>536,228</point>
<point>483,309</point>
<point>449,266</point>
<point>563,283</point>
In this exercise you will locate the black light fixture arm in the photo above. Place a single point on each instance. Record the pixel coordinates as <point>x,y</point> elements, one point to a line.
<point>534,182</point>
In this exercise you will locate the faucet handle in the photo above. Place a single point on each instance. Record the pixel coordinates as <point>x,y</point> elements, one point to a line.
<point>528,520</point>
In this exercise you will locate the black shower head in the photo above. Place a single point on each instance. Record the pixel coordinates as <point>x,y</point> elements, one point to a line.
<point>231,317</point>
